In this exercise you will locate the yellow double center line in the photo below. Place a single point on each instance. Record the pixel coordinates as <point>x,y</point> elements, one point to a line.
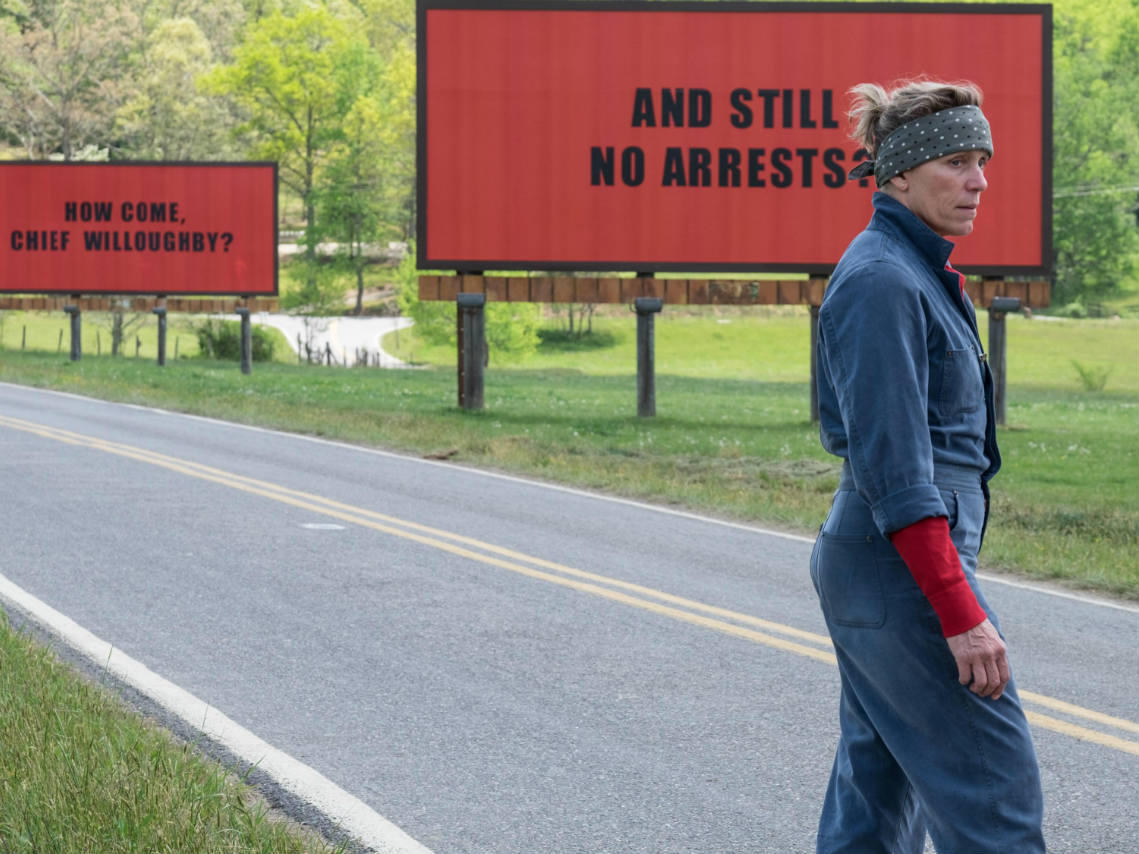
<point>744,626</point>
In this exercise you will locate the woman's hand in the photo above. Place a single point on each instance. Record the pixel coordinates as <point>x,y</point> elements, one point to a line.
<point>981,659</point>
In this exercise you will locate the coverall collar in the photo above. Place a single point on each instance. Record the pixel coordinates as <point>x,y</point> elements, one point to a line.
<point>892,215</point>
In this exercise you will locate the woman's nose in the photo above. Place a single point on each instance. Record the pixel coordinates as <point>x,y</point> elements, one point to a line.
<point>976,180</point>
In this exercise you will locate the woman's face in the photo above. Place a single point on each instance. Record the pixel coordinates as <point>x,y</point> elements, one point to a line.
<point>945,193</point>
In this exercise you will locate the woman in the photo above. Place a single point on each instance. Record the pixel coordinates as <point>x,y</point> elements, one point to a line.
<point>932,733</point>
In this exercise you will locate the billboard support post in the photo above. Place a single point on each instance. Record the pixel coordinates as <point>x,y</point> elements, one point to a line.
<point>647,308</point>
<point>998,346</point>
<point>472,348</point>
<point>246,341</point>
<point>76,345</point>
<point>161,314</point>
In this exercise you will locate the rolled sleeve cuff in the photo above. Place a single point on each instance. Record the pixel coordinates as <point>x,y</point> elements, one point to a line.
<point>912,504</point>
<point>957,608</point>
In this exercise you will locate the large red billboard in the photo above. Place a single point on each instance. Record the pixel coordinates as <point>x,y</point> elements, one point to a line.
<point>711,136</point>
<point>138,228</point>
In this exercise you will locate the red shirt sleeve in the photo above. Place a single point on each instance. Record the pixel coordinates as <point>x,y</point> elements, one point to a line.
<point>932,559</point>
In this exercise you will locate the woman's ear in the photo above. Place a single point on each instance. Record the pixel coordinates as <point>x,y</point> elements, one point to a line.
<point>900,182</point>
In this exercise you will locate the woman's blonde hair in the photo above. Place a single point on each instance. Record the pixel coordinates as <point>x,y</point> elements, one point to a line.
<point>876,113</point>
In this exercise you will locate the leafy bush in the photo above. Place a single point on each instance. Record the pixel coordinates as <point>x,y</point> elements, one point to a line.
<point>313,288</point>
<point>511,327</point>
<point>1092,377</point>
<point>557,340</point>
<point>1073,309</point>
<point>221,339</point>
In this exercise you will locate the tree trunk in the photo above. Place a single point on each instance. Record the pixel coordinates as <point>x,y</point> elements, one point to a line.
<point>359,264</point>
<point>359,286</point>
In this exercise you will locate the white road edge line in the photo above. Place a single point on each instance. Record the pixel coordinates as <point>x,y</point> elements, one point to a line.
<point>988,578</point>
<point>352,815</point>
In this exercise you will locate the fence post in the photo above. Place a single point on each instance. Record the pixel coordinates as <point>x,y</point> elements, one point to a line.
<point>472,349</point>
<point>647,308</point>
<point>998,346</point>
<point>76,329</point>
<point>246,341</point>
<point>161,313</point>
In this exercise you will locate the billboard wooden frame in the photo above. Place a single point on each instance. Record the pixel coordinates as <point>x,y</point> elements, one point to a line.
<point>427,258</point>
<point>77,288</point>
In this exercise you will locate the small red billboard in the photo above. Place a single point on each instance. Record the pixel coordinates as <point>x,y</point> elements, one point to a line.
<point>138,228</point>
<point>654,136</point>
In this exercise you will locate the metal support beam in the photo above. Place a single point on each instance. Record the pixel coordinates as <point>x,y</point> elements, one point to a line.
<point>161,313</point>
<point>246,341</point>
<point>471,320</point>
<point>998,346</point>
<point>647,308</point>
<point>76,331</point>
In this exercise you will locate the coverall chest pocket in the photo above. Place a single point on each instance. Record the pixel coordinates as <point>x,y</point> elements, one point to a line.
<point>960,387</point>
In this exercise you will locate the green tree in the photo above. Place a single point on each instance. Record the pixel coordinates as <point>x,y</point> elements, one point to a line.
<point>220,21</point>
<point>64,70</point>
<point>1096,147</point>
<point>390,24</point>
<point>397,136</point>
<point>349,197</point>
<point>284,76</point>
<point>351,183</point>
<point>390,28</point>
<point>167,118</point>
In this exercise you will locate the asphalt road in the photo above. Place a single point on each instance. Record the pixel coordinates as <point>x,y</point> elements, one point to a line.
<point>496,665</point>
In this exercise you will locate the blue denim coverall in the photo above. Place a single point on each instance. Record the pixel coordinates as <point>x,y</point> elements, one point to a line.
<point>906,399</point>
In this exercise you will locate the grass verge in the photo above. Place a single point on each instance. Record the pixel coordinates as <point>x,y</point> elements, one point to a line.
<point>79,772</point>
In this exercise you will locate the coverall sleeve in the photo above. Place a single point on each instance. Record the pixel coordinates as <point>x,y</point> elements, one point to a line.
<point>873,334</point>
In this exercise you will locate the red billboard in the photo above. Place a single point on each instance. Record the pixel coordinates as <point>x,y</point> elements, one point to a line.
<point>138,228</point>
<point>655,136</point>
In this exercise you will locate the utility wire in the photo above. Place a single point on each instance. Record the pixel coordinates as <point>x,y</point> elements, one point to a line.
<point>1092,191</point>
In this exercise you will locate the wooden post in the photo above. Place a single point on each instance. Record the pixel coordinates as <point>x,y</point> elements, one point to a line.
<point>471,322</point>
<point>998,345</point>
<point>161,314</point>
<point>76,346</point>
<point>246,341</point>
<point>647,308</point>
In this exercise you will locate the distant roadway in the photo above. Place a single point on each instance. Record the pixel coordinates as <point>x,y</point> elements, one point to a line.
<point>491,664</point>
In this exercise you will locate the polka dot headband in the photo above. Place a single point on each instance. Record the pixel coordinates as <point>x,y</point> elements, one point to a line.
<point>912,144</point>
